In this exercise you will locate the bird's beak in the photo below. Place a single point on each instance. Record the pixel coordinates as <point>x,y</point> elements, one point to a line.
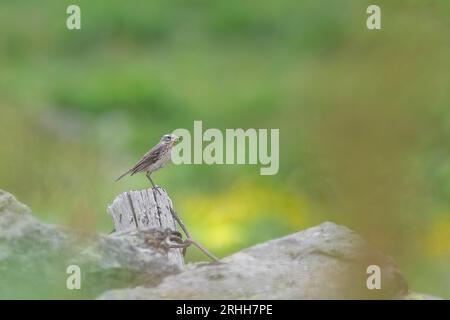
<point>175,139</point>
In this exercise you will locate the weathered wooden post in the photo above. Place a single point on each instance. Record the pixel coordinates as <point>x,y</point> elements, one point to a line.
<point>144,209</point>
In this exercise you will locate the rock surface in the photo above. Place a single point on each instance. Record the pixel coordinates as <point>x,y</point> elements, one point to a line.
<point>323,262</point>
<point>34,257</point>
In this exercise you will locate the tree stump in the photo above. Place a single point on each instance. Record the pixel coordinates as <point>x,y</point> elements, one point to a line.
<point>145,209</point>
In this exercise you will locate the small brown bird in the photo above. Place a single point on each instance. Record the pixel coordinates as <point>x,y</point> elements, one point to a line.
<point>155,159</point>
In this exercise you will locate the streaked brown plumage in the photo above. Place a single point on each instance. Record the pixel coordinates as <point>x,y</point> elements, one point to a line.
<point>154,159</point>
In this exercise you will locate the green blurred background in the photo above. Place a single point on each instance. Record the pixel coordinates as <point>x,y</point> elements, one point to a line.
<point>364,116</point>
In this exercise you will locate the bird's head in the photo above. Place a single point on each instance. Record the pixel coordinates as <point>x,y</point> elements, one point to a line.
<point>169,139</point>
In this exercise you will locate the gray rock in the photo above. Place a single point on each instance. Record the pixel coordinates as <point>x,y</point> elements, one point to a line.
<point>34,257</point>
<point>324,262</point>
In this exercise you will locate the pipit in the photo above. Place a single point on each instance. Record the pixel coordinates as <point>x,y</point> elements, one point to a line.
<point>155,159</point>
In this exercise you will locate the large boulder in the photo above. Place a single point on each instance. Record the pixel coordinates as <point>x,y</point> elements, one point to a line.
<point>324,262</point>
<point>34,257</point>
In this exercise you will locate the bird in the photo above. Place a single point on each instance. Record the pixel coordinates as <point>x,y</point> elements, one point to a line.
<point>156,158</point>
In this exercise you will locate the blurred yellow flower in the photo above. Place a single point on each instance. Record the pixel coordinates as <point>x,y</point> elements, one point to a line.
<point>438,239</point>
<point>223,219</point>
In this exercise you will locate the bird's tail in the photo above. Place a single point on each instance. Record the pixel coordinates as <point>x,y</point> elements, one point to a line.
<point>123,175</point>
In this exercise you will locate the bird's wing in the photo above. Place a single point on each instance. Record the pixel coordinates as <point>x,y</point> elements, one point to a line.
<point>150,157</point>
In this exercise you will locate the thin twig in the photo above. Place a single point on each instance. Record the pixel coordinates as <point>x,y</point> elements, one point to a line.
<point>189,239</point>
<point>177,218</point>
<point>203,249</point>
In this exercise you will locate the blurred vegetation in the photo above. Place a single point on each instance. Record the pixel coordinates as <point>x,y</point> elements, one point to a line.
<point>364,116</point>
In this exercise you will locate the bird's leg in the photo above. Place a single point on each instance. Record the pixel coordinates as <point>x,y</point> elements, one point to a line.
<point>151,181</point>
<point>149,178</point>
